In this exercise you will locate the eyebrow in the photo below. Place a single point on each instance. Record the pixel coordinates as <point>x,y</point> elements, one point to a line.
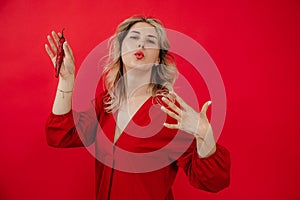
<point>153,36</point>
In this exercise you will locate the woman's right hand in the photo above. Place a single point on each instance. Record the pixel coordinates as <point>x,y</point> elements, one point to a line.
<point>67,70</point>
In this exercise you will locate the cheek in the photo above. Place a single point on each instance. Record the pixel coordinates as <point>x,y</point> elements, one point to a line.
<point>127,60</point>
<point>153,55</point>
<point>128,46</point>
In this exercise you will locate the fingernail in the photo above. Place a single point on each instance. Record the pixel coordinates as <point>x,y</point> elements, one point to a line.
<point>164,98</point>
<point>209,102</point>
<point>163,108</point>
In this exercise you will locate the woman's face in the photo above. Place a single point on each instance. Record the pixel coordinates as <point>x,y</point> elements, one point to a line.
<point>140,47</point>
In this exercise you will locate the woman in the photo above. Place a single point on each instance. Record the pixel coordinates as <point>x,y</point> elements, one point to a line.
<point>138,75</point>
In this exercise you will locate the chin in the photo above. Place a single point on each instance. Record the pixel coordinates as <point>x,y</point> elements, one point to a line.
<point>138,66</point>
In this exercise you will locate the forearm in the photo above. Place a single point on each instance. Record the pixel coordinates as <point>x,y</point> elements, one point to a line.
<point>63,99</point>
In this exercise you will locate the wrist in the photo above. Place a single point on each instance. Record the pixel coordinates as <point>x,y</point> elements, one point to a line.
<point>63,92</point>
<point>206,145</point>
<point>66,84</point>
<point>206,152</point>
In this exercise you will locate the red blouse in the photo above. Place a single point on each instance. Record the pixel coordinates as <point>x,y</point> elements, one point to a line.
<point>129,176</point>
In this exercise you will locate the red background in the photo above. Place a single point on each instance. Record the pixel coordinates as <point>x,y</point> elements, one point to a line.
<point>255,45</point>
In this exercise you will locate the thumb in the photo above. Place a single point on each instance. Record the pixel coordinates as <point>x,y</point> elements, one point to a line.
<point>205,107</point>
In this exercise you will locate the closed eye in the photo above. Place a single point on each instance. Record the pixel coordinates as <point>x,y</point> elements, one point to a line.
<point>151,41</point>
<point>134,37</point>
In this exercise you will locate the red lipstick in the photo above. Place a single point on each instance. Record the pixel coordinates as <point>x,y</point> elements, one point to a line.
<point>139,55</point>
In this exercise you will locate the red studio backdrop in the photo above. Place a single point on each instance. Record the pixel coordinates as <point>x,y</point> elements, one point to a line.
<point>255,45</point>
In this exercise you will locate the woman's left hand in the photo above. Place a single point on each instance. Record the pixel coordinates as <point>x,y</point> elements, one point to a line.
<point>190,121</point>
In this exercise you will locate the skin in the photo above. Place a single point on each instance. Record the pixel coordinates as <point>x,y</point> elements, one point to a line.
<point>141,37</point>
<point>62,102</point>
<point>195,123</point>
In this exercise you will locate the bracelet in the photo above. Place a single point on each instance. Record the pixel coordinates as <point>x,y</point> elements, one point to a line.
<point>63,92</point>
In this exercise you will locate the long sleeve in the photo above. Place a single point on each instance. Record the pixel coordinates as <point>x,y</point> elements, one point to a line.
<point>74,129</point>
<point>211,174</point>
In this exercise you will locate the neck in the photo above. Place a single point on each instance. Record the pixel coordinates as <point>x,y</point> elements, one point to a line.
<point>137,83</point>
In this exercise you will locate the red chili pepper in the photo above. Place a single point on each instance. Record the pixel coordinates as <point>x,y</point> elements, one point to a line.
<point>60,54</point>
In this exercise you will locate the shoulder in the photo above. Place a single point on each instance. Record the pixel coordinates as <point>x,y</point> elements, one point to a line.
<point>101,96</point>
<point>100,101</point>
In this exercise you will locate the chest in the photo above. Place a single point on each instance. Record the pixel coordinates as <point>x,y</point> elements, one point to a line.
<point>136,129</point>
<point>143,142</point>
<point>125,114</point>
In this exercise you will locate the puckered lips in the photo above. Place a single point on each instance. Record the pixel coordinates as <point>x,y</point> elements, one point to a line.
<point>139,55</point>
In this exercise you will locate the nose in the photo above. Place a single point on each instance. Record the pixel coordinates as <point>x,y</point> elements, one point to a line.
<point>141,44</point>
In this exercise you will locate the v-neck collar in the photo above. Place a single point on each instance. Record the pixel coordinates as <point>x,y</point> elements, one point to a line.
<point>145,105</point>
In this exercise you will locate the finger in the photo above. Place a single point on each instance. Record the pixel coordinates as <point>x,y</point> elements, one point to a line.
<point>66,50</point>
<point>205,107</point>
<point>49,52</point>
<point>56,37</point>
<point>170,113</point>
<point>180,101</point>
<point>53,46</point>
<point>172,105</point>
<point>70,51</point>
<point>171,126</point>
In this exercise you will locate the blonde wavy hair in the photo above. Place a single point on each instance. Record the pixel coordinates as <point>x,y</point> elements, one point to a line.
<point>163,75</point>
